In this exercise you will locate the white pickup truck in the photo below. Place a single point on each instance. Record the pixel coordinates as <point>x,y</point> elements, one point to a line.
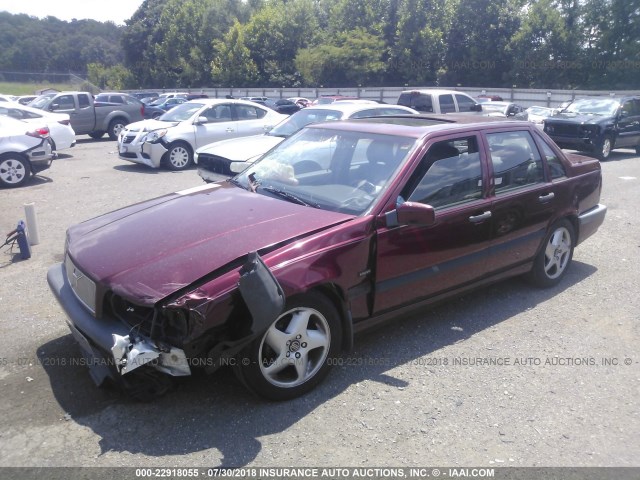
<point>438,101</point>
<point>89,118</point>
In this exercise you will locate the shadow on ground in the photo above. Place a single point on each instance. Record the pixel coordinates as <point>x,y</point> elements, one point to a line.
<point>215,412</point>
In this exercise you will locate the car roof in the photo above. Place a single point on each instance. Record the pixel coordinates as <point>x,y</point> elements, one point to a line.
<point>416,126</point>
<point>435,91</point>
<point>215,101</point>
<point>349,108</point>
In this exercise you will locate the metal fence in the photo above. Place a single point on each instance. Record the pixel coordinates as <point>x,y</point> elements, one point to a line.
<point>521,96</point>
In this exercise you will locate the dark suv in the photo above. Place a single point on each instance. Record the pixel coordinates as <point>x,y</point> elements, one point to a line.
<point>597,125</point>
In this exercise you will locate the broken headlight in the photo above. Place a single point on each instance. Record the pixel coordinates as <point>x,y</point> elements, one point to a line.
<point>155,136</point>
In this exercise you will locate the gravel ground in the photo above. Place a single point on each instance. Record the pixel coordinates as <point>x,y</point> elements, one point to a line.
<point>505,376</point>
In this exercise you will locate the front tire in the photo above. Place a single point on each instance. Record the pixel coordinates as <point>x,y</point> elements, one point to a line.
<point>552,262</point>
<point>15,170</point>
<point>179,156</point>
<point>294,355</point>
<point>96,135</point>
<point>605,149</point>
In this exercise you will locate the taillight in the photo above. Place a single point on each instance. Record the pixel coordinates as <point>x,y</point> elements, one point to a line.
<point>42,132</point>
<point>142,110</point>
<point>65,122</point>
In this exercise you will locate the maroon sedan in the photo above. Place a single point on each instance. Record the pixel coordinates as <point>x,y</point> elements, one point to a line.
<point>341,226</point>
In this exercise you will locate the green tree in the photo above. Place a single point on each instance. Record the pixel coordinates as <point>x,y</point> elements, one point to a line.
<point>116,77</point>
<point>546,47</point>
<point>233,66</point>
<point>274,35</point>
<point>613,48</point>
<point>477,42</point>
<point>419,43</point>
<point>353,58</point>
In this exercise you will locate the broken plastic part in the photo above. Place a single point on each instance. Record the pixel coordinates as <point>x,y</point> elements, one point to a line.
<point>261,292</point>
<point>130,355</point>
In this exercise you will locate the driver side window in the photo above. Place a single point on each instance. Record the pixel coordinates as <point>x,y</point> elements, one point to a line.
<point>449,174</point>
<point>218,113</point>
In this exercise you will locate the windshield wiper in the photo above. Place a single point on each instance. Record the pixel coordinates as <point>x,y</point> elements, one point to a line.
<point>236,183</point>
<point>289,196</point>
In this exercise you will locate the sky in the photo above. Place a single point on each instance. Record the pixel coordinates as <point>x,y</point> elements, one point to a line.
<point>101,10</point>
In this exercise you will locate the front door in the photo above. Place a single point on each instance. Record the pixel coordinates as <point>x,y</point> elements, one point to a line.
<point>629,124</point>
<point>416,262</point>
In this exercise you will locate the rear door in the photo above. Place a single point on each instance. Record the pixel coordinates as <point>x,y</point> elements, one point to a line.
<point>415,262</point>
<point>220,124</point>
<point>524,201</point>
<point>251,120</point>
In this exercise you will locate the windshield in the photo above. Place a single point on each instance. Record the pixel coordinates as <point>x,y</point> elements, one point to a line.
<point>41,101</point>
<point>330,169</point>
<point>494,107</point>
<point>303,118</point>
<point>181,112</point>
<point>597,106</point>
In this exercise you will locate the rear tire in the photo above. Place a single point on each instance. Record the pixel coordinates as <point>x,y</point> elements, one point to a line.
<point>553,260</point>
<point>115,127</point>
<point>15,170</point>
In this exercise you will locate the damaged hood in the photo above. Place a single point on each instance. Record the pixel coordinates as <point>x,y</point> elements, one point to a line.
<point>150,250</point>
<point>149,125</point>
<point>243,148</point>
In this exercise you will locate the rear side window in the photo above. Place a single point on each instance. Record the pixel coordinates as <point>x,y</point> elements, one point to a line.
<point>83,101</point>
<point>246,112</point>
<point>516,161</point>
<point>555,165</point>
<point>419,101</point>
<point>446,104</point>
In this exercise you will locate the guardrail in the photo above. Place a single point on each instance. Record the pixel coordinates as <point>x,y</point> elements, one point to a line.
<point>521,96</point>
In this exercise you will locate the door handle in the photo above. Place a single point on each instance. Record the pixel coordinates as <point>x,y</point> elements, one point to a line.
<point>546,198</point>
<point>229,130</point>
<point>479,218</point>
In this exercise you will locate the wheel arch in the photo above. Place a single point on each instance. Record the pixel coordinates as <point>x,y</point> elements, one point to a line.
<point>173,143</point>
<point>338,298</point>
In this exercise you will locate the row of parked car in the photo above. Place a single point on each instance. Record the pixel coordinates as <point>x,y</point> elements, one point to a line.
<point>226,135</point>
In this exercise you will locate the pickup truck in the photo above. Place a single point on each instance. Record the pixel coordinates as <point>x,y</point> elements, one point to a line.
<point>597,125</point>
<point>89,118</point>
<point>438,101</point>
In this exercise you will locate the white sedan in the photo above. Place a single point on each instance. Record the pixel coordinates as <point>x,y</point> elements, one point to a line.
<point>25,150</point>
<point>173,138</point>
<point>60,130</point>
<point>233,156</point>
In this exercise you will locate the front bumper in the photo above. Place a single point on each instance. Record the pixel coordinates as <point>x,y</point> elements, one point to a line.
<point>98,337</point>
<point>590,221</point>
<point>583,144</point>
<point>133,148</point>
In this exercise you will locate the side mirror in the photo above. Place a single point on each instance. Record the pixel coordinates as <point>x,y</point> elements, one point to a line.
<point>411,213</point>
<point>476,107</point>
<point>202,121</point>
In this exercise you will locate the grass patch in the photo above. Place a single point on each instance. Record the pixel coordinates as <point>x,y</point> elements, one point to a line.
<point>16,88</point>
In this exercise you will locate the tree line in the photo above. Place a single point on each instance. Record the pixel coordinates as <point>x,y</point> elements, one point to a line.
<point>584,44</point>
